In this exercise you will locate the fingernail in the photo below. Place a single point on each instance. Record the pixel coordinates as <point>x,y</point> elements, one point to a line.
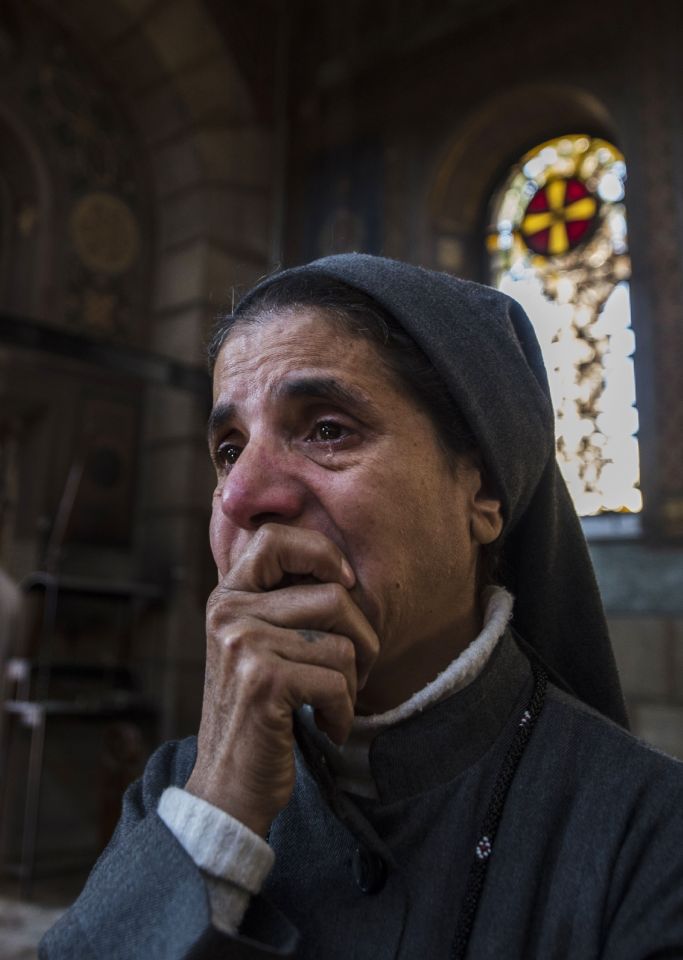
<point>347,572</point>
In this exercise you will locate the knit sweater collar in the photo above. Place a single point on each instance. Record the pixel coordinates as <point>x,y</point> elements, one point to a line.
<point>462,670</point>
<point>380,760</point>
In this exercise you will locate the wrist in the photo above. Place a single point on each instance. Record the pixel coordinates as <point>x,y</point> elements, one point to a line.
<point>242,808</point>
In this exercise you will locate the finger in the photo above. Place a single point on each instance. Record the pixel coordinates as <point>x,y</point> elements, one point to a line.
<point>330,608</point>
<point>323,606</point>
<point>272,689</point>
<point>329,650</point>
<point>277,550</point>
<point>258,642</point>
<point>326,691</point>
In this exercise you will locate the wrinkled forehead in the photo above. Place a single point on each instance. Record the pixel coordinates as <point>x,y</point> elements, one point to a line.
<point>265,351</point>
<point>272,343</point>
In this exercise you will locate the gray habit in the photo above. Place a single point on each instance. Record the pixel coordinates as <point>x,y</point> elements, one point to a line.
<point>587,863</point>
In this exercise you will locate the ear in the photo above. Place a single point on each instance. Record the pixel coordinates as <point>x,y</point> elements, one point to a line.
<point>486,519</point>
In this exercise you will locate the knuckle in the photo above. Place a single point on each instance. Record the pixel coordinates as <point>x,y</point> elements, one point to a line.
<point>346,652</point>
<point>336,595</point>
<point>338,686</point>
<point>238,639</point>
<point>258,680</point>
<point>264,537</point>
<point>213,611</point>
<point>221,607</point>
<point>232,642</point>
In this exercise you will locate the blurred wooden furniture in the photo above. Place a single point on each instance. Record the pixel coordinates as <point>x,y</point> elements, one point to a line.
<point>45,687</point>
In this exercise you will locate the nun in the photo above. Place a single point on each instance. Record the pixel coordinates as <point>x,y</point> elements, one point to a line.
<point>413,741</point>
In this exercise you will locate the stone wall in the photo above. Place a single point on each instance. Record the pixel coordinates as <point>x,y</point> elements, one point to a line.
<point>443,105</point>
<point>649,652</point>
<point>139,113</point>
<point>208,156</point>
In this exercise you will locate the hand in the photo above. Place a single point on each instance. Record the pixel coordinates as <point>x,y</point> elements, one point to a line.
<point>273,644</point>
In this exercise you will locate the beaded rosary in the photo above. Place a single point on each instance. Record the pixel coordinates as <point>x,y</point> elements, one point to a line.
<point>487,835</point>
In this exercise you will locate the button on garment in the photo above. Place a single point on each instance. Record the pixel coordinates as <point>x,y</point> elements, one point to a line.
<point>369,870</point>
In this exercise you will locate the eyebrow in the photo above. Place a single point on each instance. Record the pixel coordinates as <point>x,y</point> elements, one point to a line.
<point>314,388</point>
<point>221,414</point>
<point>322,388</point>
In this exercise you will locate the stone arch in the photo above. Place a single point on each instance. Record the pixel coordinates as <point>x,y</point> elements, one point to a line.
<point>208,155</point>
<point>472,161</point>
<point>470,164</point>
<point>207,152</point>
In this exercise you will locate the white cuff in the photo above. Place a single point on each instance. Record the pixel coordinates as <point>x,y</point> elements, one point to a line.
<point>228,904</point>
<point>236,859</point>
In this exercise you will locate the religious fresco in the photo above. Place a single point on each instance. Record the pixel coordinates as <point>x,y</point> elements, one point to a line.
<point>75,259</point>
<point>97,256</point>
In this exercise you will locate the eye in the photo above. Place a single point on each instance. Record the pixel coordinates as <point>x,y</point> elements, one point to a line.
<point>227,454</point>
<point>327,431</point>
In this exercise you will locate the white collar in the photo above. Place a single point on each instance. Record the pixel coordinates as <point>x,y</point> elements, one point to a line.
<point>350,762</point>
<point>459,673</point>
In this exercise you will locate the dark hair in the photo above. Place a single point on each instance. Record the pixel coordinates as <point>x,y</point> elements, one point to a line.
<point>362,316</point>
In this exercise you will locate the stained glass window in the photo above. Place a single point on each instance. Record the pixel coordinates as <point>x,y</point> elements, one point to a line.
<point>557,243</point>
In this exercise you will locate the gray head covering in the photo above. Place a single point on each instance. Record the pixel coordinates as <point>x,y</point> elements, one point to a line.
<point>484,347</point>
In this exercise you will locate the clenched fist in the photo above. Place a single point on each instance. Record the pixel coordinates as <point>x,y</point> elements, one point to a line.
<point>282,630</point>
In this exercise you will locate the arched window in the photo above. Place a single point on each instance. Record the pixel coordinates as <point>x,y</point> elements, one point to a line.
<point>557,243</point>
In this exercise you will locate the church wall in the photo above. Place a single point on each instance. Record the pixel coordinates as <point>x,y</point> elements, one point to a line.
<point>402,129</point>
<point>402,116</point>
<point>199,152</point>
<point>649,651</point>
<point>203,159</point>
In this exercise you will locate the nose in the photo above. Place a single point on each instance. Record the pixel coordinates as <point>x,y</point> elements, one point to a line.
<point>262,487</point>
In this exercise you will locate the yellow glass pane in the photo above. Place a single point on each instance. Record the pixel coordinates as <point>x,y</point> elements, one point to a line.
<point>558,242</point>
<point>581,209</point>
<point>556,191</point>
<point>536,221</point>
